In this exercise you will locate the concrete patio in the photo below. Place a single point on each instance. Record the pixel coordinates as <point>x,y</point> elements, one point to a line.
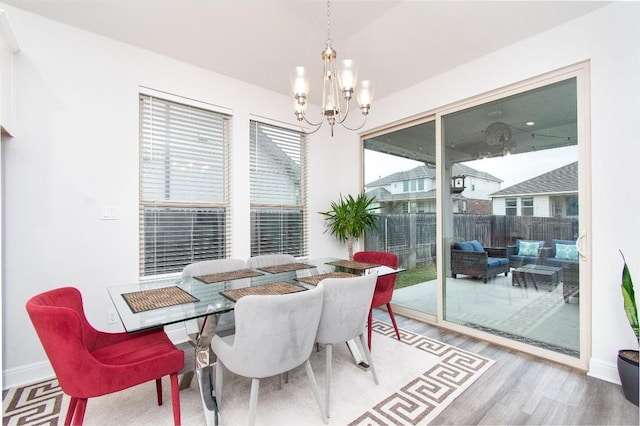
<point>539,317</point>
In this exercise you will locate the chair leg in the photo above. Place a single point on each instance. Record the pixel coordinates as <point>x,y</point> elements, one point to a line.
<point>175,398</point>
<point>159,390</point>
<point>78,415</point>
<point>367,355</point>
<point>393,320</point>
<point>253,401</point>
<point>327,385</point>
<point>218,389</point>
<point>70,411</point>
<point>314,387</point>
<point>369,327</point>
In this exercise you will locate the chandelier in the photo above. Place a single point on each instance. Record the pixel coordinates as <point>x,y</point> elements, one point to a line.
<point>335,83</point>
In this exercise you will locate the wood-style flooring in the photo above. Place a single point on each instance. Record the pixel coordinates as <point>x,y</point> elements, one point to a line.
<point>523,390</point>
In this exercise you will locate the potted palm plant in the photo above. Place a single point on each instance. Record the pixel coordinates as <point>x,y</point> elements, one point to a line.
<point>628,358</point>
<point>349,218</point>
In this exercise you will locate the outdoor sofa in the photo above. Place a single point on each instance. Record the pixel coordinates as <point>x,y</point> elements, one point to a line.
<point>472,259</point>
<point>560,254</point>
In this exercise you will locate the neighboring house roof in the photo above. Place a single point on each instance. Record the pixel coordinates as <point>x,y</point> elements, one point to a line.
<point>379,193</point>
<point>267,145</point>
<point>560,180</point>
<point>430,173</point>
<point>382,195</point>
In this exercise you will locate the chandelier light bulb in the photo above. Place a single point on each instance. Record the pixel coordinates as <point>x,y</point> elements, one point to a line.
<point>365,96</point>
<point>300,82</point>
<point>348,76</point>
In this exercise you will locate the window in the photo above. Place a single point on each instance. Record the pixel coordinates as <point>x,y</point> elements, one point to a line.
<point>413,185</point>
<point>511,207</point>
<point>405,186</point>
<point>572,206</point>
<point>420,184</point>
<point>183,185</point>
<point>527,207</point>
<point>278,190</point>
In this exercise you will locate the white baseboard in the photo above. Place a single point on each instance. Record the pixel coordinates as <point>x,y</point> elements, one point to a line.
<point>26,374</point>
<point>602,370</point>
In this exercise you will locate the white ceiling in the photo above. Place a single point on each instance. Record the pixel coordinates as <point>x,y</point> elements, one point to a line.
<point>395,43</point>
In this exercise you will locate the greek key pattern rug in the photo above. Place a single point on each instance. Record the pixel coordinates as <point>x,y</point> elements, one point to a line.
<point>433,374</point>
<point>422,399</point>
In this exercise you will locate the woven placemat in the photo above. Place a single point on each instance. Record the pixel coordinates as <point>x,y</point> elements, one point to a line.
<point>289,267</point>
<point>276,288</point>
<point>350,264</point>
<point>228,276</point>
<point>315,279</point>
<point>146,300</point>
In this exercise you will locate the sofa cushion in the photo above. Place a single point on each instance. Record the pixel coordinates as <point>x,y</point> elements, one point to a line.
<point>473,245</point>
<point>477,247</point>
<point>529,248</point>
<point>497,261</point>
<point>463,245</point>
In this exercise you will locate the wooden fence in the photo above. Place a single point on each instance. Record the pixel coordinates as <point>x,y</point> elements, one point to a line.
<point>413,236</point>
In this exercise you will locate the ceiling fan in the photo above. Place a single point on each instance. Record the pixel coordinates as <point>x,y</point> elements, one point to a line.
<point>497,133</point>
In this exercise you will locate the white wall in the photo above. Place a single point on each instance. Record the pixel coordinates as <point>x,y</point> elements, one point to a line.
<point>608,38</point>
<point>75,150</point>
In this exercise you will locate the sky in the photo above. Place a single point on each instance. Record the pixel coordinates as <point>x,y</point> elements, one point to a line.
<point>511,169</point>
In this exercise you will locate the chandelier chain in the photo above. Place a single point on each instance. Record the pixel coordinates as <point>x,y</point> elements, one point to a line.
<point>329,41</point>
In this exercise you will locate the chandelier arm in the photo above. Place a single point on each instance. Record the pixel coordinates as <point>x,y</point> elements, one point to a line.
<point>317,127</point>
<point>343,117</point>
<point>354,128</point>
<point>304,117</point>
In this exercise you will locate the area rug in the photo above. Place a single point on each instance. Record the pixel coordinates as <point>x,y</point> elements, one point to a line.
<point>418,378</point>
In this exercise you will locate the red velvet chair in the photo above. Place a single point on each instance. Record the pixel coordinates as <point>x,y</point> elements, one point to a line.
<point>90,363</point>
<point>384,285</point>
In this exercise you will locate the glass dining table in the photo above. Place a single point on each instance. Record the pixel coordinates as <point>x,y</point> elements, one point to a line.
<point>152,304</point>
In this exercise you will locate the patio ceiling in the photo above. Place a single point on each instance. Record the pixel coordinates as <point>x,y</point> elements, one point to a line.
<point>552,108</point>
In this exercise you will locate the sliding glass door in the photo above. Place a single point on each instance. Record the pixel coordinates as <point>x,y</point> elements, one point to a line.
<point>520,185</point>
<point>484,204</point>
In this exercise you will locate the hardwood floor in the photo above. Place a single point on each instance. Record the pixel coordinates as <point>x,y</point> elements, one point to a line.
<point>523,390</point>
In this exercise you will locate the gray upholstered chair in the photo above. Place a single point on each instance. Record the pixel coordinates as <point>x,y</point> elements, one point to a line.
<point>207,267</point>
<point>226,321</point>
<point>345,309</point>
<point>274,334</point>
<point>266,260</point>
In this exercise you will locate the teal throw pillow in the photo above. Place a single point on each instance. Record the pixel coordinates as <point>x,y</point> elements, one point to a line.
<point>566,252</point>
<point>528,248</point>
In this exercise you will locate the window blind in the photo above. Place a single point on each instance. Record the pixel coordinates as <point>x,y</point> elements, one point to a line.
<point>278,190</point>
<point>184,214</point>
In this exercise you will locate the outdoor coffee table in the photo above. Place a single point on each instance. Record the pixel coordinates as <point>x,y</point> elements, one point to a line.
<point>536,274</point>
